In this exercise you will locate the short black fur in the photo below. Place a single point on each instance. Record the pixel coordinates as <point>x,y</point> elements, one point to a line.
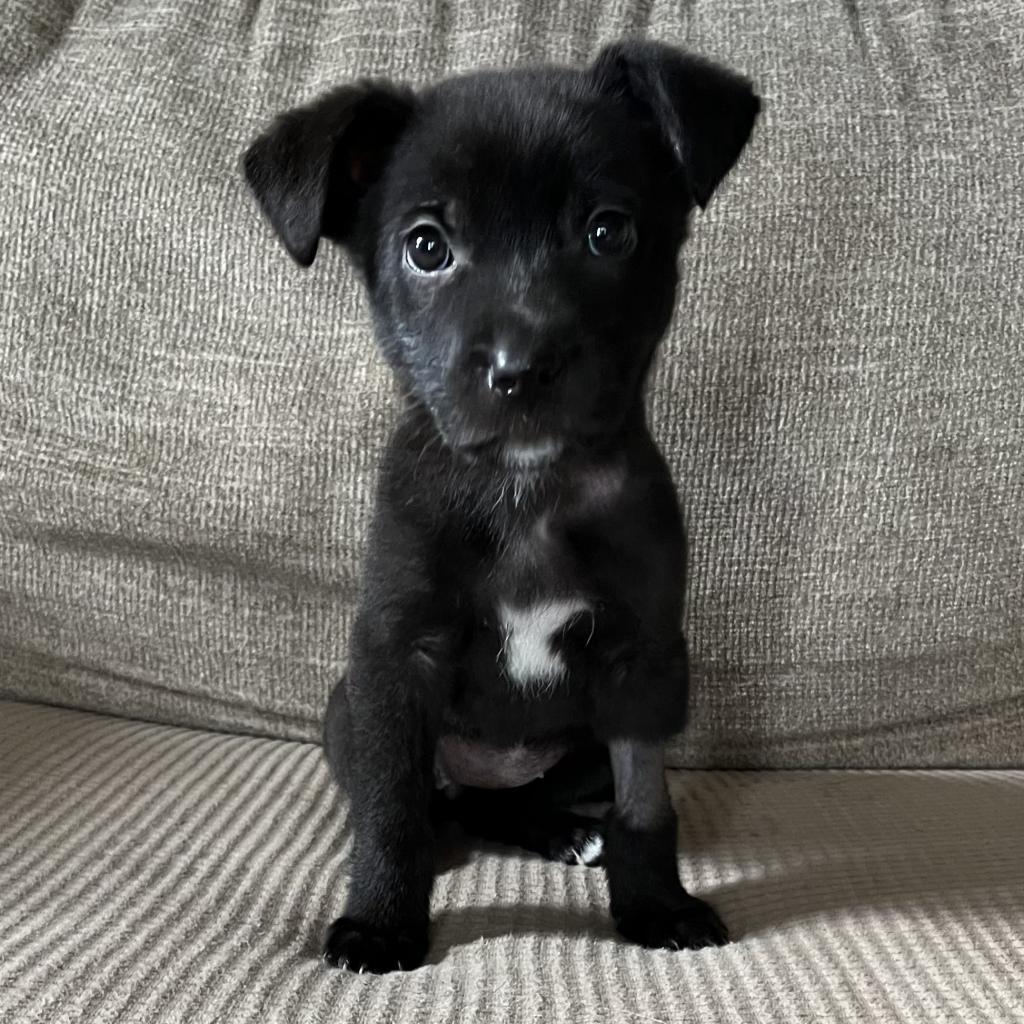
<point>520,618</point>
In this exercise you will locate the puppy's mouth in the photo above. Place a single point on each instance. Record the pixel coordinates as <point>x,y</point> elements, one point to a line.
<point>525,456</point>
<point>532,456</point>
<point>530,444</point>
<point>515,454</point>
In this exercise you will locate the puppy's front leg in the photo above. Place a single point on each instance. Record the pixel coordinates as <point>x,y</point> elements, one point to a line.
<point>648,902</point>
<point>385,717</point>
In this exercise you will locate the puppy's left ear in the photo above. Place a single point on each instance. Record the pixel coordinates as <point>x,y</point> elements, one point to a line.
<point>311,168</point>
<point>704,112</point>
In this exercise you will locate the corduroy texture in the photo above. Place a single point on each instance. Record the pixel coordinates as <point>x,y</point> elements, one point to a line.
<point>189,424</point>
<point>159,875</point>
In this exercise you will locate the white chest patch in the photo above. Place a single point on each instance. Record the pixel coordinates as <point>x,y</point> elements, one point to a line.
<point>527,633</point>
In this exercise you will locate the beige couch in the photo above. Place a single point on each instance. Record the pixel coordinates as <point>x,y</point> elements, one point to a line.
<point>188,431</point>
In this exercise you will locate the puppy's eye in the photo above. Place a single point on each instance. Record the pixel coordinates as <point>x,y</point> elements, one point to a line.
<point>611,233</point>
<point>427,250</point>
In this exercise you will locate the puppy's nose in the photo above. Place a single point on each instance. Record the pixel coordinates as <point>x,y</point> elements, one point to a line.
<point>508,374</point>
<point>512,372</point>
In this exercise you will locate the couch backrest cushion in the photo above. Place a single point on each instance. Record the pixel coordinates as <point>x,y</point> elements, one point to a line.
<point>189,423</point>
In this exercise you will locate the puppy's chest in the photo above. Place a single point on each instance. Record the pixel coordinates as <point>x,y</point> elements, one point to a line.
<point>536,591</point>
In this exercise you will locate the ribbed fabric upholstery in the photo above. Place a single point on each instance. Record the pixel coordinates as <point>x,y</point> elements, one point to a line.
<point>165,876</point>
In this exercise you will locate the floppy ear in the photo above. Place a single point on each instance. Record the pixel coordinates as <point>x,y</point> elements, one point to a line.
<point>705,113</point>
<point>310,169</point>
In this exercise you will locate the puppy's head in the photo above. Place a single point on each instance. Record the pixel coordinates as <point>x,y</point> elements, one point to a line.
<point>517,231</point>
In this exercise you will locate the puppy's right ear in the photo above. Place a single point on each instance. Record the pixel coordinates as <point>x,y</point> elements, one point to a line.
<point>314,164</point>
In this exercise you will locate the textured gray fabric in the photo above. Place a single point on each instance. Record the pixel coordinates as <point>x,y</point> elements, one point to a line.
<point>189,423</point>
<point>158,875</point>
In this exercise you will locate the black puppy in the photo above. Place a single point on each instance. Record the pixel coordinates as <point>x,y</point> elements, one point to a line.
<point>518,647</point>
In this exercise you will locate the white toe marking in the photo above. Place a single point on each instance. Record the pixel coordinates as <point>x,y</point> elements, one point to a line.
<point>527,635</point>
<point>592,850</point>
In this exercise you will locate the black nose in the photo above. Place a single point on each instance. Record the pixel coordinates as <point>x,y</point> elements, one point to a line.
<point>511,373</point>
<point>508,374</point>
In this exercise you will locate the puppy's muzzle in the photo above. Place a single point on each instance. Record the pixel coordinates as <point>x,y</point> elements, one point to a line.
<point>519,360</point>
<point>511,374</point>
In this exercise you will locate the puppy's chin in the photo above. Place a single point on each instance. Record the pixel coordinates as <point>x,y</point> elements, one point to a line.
<point>530,448</point>
<point>525,456</point>
<point>531,455</point>
<point>528,457</point>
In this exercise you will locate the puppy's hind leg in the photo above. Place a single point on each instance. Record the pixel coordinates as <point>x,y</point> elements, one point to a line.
<point>502,816</point>
<point>538,817</point>
<point>336,730</point>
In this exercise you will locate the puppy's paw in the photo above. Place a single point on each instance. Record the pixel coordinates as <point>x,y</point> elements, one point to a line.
<point>580,845</point>
<point>694,925</point>
<point>360,947</point>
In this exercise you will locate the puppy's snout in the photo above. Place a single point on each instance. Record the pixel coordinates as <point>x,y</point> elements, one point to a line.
<point>515,369</point>
<point>507,375</point>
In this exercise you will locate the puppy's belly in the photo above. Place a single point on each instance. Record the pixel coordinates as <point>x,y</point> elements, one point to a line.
<point>475,763</point>
<point>528,655</point>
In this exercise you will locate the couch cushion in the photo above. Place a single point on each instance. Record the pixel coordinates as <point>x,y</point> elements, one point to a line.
<point>157,874</point>
<point>189,423</point>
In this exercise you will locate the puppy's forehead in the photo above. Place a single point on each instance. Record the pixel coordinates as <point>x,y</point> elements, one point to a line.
<point>514,145</point>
